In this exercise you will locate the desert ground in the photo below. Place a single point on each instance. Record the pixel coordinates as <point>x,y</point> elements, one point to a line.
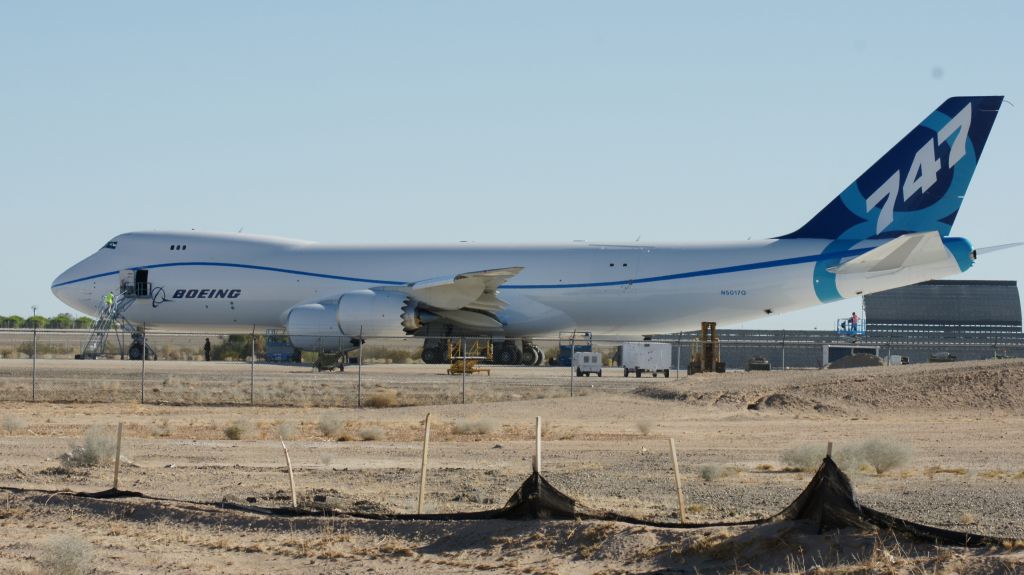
<point>958,430</point>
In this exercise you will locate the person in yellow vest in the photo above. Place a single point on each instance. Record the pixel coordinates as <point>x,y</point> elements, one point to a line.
<point>109,301</point>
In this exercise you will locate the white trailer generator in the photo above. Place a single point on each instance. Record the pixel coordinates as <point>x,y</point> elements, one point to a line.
<point>645,356</point>
<point>586,363</point>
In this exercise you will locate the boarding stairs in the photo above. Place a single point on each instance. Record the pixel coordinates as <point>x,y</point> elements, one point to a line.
<point>111,319</point>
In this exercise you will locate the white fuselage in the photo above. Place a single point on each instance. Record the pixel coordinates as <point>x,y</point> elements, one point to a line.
<point>236,282</point>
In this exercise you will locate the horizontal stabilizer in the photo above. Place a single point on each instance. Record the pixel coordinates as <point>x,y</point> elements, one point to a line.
<point>990,249</point>
<point>905,251</point>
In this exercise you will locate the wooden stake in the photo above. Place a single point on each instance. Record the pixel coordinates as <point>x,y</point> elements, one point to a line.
<point>117,456</point>
<point>536,456</point>
<point>423,465</point>
<point>679,481</point>
<point>291,475</point>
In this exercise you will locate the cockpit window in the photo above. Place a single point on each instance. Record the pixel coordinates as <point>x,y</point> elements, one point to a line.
<point>111,245</point>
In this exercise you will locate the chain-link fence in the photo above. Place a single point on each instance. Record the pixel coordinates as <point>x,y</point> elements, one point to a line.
<point>40,365</point>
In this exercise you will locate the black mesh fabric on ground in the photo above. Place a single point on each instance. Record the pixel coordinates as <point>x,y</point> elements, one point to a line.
<point>828,501</point>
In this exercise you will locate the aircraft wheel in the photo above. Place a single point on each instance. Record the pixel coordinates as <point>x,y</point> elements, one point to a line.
<point>529,355</point>
<point>135,352</point>
<point>507,355</point>
<point>432,355</point>
<point>540,357</point>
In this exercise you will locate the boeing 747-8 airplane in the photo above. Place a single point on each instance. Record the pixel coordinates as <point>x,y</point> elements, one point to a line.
<point>889,228</point>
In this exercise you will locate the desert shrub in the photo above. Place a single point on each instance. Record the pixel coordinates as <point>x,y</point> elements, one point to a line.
<point>389,355</point>
<point>805,457</point>
<point>236,347</point>
<point>474,427</point>
<point>331,424</point>
<point>371,434</point>
<point>98,448</point>
<point>645,426</point>
<point>12,424</point>
<point>66,555</point>
<point>383,398</point>
<point>237,429</point>
<point>287,430</point>
<point>883,455</point>
<point>712,472</point>
<point>45,349</point>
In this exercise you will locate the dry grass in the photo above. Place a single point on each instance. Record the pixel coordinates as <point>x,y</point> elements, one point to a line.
<point>474,427</point>
<point>931,472</point>
<point>714,472</point>
<point>645,426</point>
<point>331,424</point>
<point>66,555</point>
<point>238,429</point>
<point>287,430</point>
<point>371,434</point>
<point>383,398</point>
<point>12,424</point>
<point>98,448</point>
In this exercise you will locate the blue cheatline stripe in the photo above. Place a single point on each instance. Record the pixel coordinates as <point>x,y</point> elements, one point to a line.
<point>242,266</point>
<point>684,275</point>
<point>707,272</point>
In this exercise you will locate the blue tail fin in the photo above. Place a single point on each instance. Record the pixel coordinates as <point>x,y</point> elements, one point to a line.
<point>919,184</point>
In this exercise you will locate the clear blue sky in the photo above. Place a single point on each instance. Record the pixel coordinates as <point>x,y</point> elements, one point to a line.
<point>493,122</point>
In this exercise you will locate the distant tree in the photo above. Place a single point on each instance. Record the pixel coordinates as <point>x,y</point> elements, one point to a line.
<point>14,321</point>
<point>84,322</point>
<point>60,321</point>
<point>35,322</point>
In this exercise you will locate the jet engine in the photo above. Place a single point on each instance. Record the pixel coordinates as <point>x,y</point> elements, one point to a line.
<point>377,314</point>
<point>314,327</point>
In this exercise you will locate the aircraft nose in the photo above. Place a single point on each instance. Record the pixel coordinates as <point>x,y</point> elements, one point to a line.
<point>61,282</point>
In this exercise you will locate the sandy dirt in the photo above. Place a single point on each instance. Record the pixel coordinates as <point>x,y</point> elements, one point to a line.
<point>607,447</point>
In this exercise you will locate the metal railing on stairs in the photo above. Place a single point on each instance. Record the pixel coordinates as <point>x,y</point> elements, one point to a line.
<point>111,319</point>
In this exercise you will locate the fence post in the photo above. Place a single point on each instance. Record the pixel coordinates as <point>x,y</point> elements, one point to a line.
<point>291,474</point>
<point>117,455</point>
<point>679,352</point>
<point>679,481</point>
<point>252,374</point>
<point>463,346</point>
<point>142,385</point>
<point>572,370</point>
<point>423,465</point>
<point>359,371</point>
<point>783,350</point>
<point>34,332</point>
<point>536,456</point>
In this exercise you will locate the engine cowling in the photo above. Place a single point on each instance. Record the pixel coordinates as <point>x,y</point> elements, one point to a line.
<point>376,314</point>
<point>314,327</point>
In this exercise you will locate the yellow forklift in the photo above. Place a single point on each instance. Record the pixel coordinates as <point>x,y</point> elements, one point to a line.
<point>705,351</point>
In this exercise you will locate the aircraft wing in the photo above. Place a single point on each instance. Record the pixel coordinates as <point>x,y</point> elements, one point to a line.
<point>475,290</point>
<point>905,251</point>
